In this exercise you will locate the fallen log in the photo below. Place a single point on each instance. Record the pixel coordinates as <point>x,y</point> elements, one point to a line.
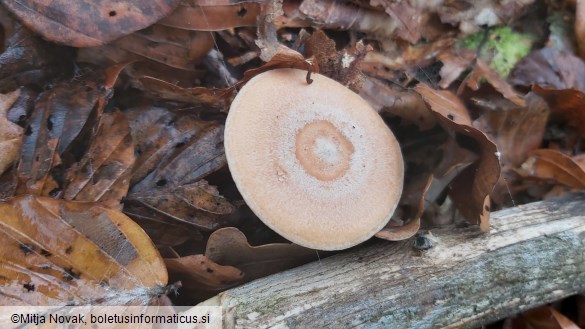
<point>534,254</point>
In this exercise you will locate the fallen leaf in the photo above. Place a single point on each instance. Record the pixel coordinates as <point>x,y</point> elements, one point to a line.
<point>206,15</point>
<point>88,23</point>
<point>545,317</point>
<point>455,62</point>
<point>516,131</point>
<point>26,59</point>
<point>103,174</point>
<point>551,69</point>
<point>482,71</point>
<point>229,246</point>
<point>405,224</point>
<point>200,277</point>
<point>553,165</point>
<point>180,49</point>
<point>407,15</point>
<point>399,233</point>
<point>284,57</point>
<point>336,15</point>
<point>565,105</point>
<point>10,133</point>
<point>471,188</point>
<point>407,105</point>
<point>160,136</point>
<point>171,164</point>
<point>60,115</point>
<point>198,204</point>
<point>201,96</point>
<point>64,253</point>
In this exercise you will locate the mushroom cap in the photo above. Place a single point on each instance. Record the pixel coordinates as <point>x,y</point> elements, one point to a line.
<point>313,161</point>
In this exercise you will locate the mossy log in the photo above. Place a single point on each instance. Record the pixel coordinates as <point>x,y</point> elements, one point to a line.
<point>534,254</point>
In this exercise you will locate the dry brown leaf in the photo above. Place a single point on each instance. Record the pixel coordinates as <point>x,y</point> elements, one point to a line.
<point>27,59</point>
<point>283,58</point>
<point>175,153</point>
<point>200,96</point>
<point>550,68</point>
<point>157,133</point>
<point>207,15</point>
<point>580,161</point>
<point>103,174</point>
<point>229,246</point>
<point>406,15</point>
<point>173,47</point>
<point>336,15</point>
<point>414,201</point>
<point>88,23</point>
<point>399,233</point>
<point>342,66</point>
<point>553,165</point>
<point>545,317</point>
<point>470,189</point>
<point>566,105</point>
<point>99,257</point>
<point>455,62</point>
<point>483,71</point>
<point>516,132</point>
<point>407,105</point>
<point>60,115</point>
<point>10,133</point>
<point>322,48</point>
<point>200,277</point>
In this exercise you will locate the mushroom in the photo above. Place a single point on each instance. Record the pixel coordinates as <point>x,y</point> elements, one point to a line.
<point>313,161</point>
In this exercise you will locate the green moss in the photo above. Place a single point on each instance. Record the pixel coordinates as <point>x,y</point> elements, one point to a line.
<point>501,47</point>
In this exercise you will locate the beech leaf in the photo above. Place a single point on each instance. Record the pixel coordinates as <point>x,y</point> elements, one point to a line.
<point>56,252</point>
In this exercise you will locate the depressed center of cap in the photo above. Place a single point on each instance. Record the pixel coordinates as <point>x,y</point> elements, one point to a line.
<point>323,151</point>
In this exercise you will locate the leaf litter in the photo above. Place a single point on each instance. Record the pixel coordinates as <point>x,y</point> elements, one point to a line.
<point>488,115</point>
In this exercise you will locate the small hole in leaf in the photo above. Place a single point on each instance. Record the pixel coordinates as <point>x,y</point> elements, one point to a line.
<point>161,182</point>
<point>69,250</point>
<point>55,192</point>
<point>242,12</point>
<point>50,122</point>
<point>29,287</point>
<point>181,144</point>
<point>209,270</point>
<point>112,13</point>
<point>26,248</point>
<point>450,116</point>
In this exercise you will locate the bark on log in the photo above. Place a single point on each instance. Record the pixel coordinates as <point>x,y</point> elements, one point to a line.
<point>533,255</point>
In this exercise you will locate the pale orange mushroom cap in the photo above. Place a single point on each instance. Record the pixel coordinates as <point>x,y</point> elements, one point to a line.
<point>313,161</point>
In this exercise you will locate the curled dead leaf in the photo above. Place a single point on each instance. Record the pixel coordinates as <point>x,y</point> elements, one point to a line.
<point>470,189</point>
<point>229,246</point>
<point>553,165</point>
<point>201,277</point>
